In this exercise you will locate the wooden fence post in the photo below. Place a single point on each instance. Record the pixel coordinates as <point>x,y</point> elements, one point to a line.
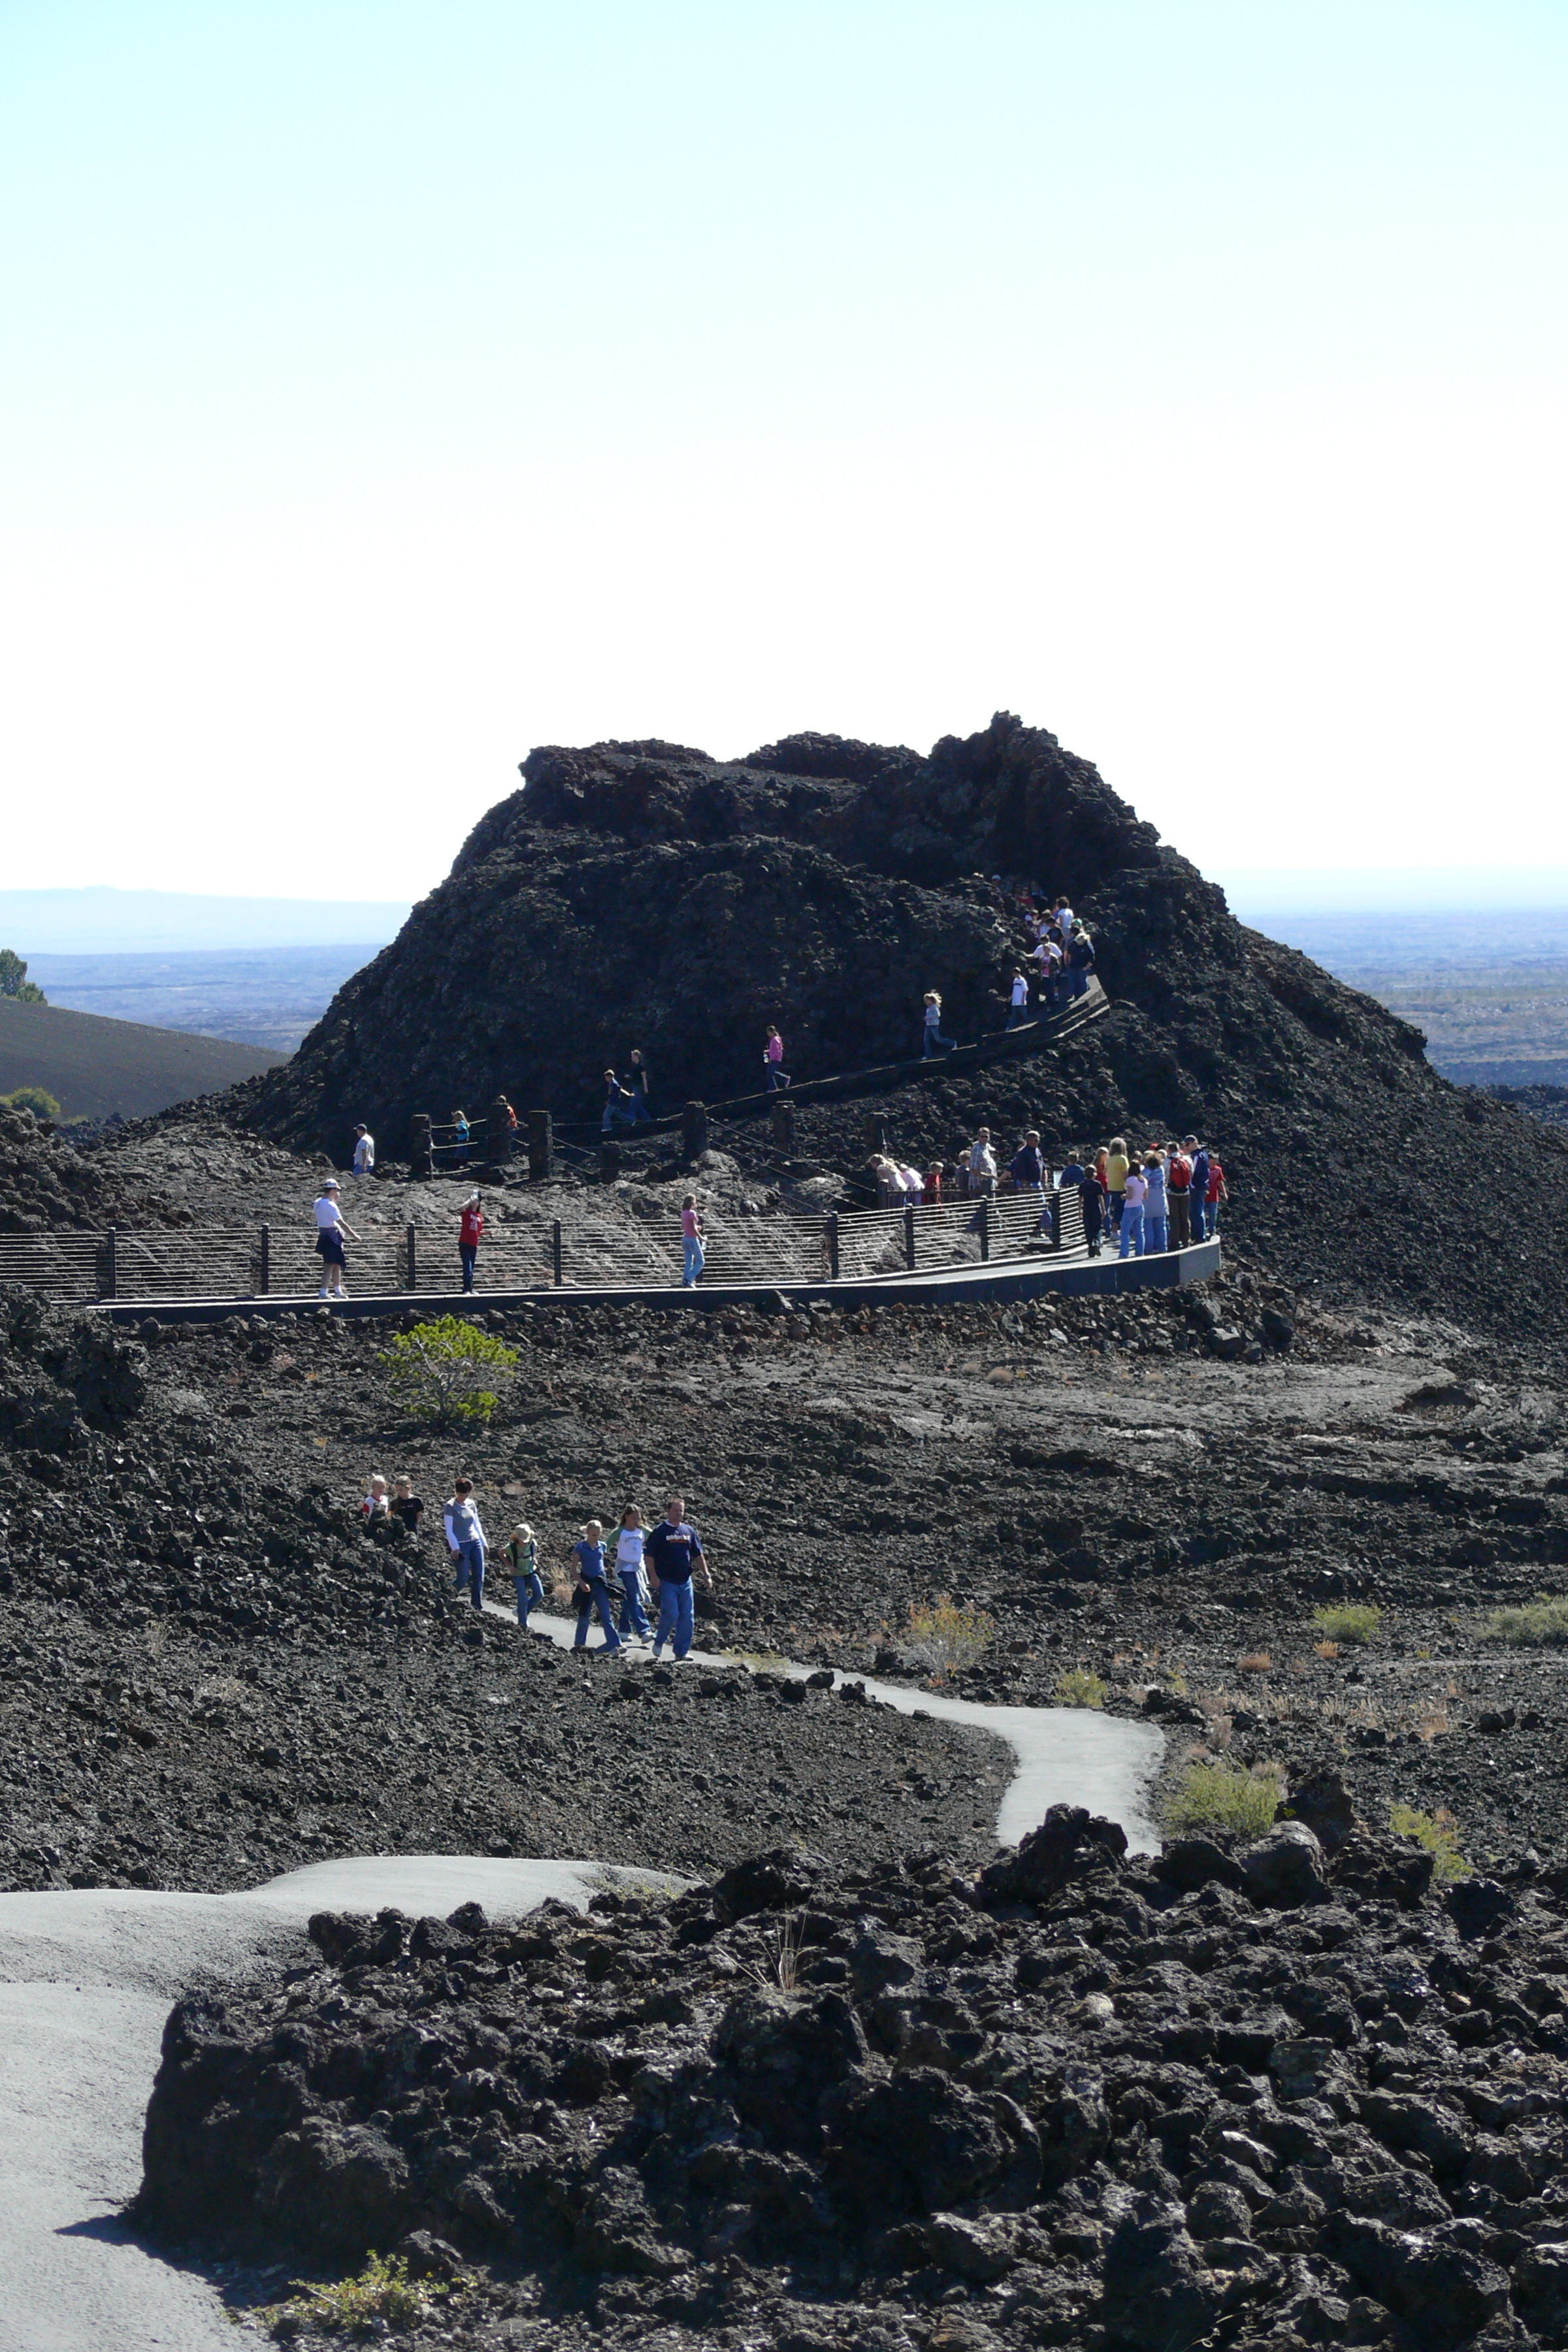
<point>556,1249</point>
<point>111,1266</point>
<point>985,1228</point>
<point>421,1165</point>
<point>874,1132</point>
<point>266,1260</point>
<point>910,1235</point>
<point>541,1147</point>
<point>609,1162</point>
<point>833,1243</point>
<point>413,1266</point>
<point>781,1110</point>
<point>694,1130</point>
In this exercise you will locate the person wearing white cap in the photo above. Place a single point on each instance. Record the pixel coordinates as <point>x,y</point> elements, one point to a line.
<point>331,1228</point>
<point>470,1232</point>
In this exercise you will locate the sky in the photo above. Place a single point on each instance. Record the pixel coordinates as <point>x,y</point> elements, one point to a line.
<point>388,389</point>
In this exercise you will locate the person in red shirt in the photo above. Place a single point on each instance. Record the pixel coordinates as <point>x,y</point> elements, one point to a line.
<point>469,1232</point>
<point>1179,1196</point>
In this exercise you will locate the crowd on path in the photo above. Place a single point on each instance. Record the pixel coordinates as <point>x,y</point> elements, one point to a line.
<point>1165,1198</point>
<point>651,1566</point>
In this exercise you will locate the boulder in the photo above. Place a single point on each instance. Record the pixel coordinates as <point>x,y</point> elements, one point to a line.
<point>1284,1868</point>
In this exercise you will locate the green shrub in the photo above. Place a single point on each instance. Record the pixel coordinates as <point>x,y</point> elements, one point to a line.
<point>1216,1797</point>
<point>37,1099</point>
<point>1080,1686</point>
<point>1531,1624</point>
<point>1348,1621</point>
<point>443,1370</point>
<point>383,2291</point>
<point>1438,1832</point>
<point>952,1637</point>
<point>13,980</point>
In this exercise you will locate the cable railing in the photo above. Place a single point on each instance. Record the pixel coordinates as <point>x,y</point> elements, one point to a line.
<point>578,1252</point>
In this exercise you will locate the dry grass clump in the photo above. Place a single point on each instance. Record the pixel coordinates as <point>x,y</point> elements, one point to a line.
<point>1216,1797</point>
<point>1532,1624</point>
<point>1080,1686</point>
<point>1348,1621</point>
<point>1438,1832</point>
<point>1256,1662</point>
<point>949,1636</point>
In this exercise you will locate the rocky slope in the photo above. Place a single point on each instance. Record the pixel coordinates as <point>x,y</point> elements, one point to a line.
<point>1271,2095</point>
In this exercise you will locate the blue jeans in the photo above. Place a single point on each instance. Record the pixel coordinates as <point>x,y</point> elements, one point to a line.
<point>674,1618</point>
<point>692,1248</point>
<point>467,1252</point>
<point>1154,1225</point>
<point>471,1570</point>
<point>935,1043</point>
<point>634,1617</point>
<point>529,1593</point>
<point>1199,1231</point>
<point>599,1598</point>
<point>1079,983</point>
<point>1131,1229</point>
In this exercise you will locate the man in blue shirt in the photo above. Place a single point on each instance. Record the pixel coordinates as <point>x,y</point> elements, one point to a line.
<point>1198,1194</point>
<point>671,1554</point>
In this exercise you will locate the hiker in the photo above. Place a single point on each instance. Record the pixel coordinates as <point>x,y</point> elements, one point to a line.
<point>1154,1203</point>
<point>1115,1173</point>
<point>774,1076</point>
<point>1179,1194</point>
<point>509,1140</point>
<point>375,1505</point>
<point>671,1552</point>
<point>522,1559</point>
<point>465,1540</point>
<point>589,1555</point>
<point>982,1174</point>
<point>1081,962</point>
<point>461,1139</point>
<point>1019,1002</point>
<point>618,1111</point>
<point>364,1152</point>
<point>406,1505</point>
<point>1215,1193</point>
<point>631,1537</point>
<point>1026,1168</point>
<point>635,1083</point>
<point>692,1252</point>
<point>1096,1208</point>
<point>932,1041</point>
<point>1073,1178</point>
<point>470,1232</point>
<point>330,1227</point>
<point>933,1184</point>
<point>1134,1191</point>
<point>1199,1188</point>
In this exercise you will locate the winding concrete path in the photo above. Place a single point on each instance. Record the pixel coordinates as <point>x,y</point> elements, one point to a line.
<point>87,1980</point>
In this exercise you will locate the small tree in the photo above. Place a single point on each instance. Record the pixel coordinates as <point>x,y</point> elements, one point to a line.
<point>37,1099</point>
<point>13,980</point>
<point>449,1370</point>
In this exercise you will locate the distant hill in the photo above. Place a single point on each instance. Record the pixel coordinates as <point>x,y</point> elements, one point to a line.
<point>255,996</point>
<point>95,1067</point>
<point>101,920</point>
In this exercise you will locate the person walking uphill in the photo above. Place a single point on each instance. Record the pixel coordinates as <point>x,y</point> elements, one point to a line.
<point>692,1250</point>
<point>522,1559</point>
<point>589,1556</point>
<point>470,1232</point>
<point>671,1554</point>
<point>330,1227</point>
<point>465,1540</point>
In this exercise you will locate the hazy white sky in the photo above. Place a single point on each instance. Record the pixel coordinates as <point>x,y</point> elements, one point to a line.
<point>387,389</point>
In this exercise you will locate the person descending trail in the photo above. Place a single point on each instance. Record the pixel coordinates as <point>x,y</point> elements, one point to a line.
<point>522,1559</point>
<point>406,1505</point>
<point>692,1252</point>
<point>364,1152</point>
<point>635,1083</point>
<point>330,1227</point>
<point>932,1041</point>
<point>618,1106</point>
<point>375,1505</point>
<point>593,1591</point>
<point>470,1232</point>
<point>630,1539</point>
<point>673,1551</point>
<point>465,1540</point>
<point>1019,1002</point>
<point>773,1074</point>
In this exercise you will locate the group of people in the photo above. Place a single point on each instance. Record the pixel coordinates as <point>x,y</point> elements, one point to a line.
<point>332,1229</point>
<point>652,1566</point>
<point>1060,948</point>
<point>1166,1197</point>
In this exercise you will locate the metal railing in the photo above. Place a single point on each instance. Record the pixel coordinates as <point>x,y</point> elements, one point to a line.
<point>582,1252</point>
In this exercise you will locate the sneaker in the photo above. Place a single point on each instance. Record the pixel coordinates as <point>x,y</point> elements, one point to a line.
<point>322,1292</point>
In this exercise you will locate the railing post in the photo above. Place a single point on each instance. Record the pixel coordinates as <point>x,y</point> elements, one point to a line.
<point>874,1132</point>
<point>833,1243</point>
<point>985,1228</point>
<point>421,1165</point>
<point>609,1162</point>
<point>413,1266</point>
<point>541,1147</point>
<point>556,1249</point>
<point>266,1260</point>
<point>910,1235</point>
<point>781,1110</point>
<point>694,1130</point>
<point>111,1266</point>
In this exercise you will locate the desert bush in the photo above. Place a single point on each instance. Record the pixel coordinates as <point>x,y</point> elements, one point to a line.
<point>1438,1832</point>
<point>949,1636</point>
<point>1080,1686</point>
<point>1216,1797</point>
<point>1348,1621</point>
<point>1531,1624</point>
<point>37,1099</point>
<point>382,2292</point>
<point>443,1370</point>
<point>14,983</point>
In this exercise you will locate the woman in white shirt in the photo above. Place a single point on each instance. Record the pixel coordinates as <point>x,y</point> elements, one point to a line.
<point>331,1228</point>
<point>630,1538</point>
